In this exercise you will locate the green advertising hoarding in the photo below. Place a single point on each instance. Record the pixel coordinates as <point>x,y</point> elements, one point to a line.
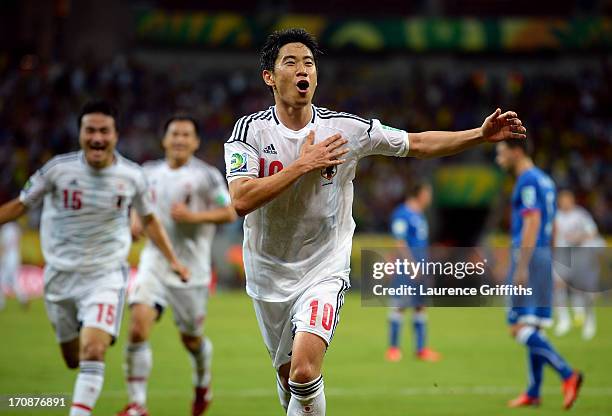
<point>413,34</point>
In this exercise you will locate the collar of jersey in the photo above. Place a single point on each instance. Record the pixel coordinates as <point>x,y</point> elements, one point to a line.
<point>295,134</point>
<point>88,166</point>
<point>186,165</point>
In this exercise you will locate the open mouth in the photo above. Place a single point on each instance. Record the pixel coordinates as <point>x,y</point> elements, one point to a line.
<point>100,147</point>
<point>302,86</point>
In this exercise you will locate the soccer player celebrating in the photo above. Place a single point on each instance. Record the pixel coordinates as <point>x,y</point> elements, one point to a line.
<point>410,229</point>
<point>85,238</point>
<point>290,170</point>
<point>574,227</point>
<point>190,197</point>
<point>533,212</point>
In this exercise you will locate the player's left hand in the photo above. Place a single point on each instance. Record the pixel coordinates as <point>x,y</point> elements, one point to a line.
<point>183,272</point>
<point>498,127</point>
<point>181,213</point>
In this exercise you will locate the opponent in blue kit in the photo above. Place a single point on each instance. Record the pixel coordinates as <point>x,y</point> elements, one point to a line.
<point>410,229</point>
<point>533,212</point>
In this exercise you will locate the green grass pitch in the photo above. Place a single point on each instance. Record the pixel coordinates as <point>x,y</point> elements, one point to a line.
<point>482,367</point>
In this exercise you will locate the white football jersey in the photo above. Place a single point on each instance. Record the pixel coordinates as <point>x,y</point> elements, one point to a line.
<point>305,234</point>
<point>201,187</point>
<point>84,224</point>
<point>575,222</point>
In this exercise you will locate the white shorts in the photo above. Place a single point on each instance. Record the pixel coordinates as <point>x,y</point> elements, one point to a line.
<point>88,303</point>
<point>315,310</point>
<point>188,303</point>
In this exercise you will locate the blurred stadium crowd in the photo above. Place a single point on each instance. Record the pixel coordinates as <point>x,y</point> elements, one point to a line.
<point>567,115</point>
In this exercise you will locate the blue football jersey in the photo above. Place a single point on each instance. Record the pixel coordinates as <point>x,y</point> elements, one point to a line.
<point>534,190</point>
<point>412,227</point>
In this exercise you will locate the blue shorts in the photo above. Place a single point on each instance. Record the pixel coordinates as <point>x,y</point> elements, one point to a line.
<point>537,308</point>
<point>413,301</point>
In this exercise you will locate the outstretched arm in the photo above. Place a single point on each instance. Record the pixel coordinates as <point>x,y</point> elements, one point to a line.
<point>182,213</point>
<point>157,234</point>
<point>12,210</point>
<point>496,127</point>
<point>248,194</point>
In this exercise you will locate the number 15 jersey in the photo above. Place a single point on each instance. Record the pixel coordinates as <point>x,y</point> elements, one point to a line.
<point>305,234</point>
<point>84,225</point>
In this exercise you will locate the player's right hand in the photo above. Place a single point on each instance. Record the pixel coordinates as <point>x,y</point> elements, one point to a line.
<point>182,272</point>
<point>323,154</point>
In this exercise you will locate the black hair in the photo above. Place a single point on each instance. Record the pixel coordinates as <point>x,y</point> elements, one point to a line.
<point>415,188</point>
<point>523,144</point>
<point>276,40</point>
<point>182,117</point>
<point>99,106</point>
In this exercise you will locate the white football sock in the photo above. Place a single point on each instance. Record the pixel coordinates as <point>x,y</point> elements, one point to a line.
<point>201,362</point>
<point>87,387</point>
<point>137,368</point>
<point>307,399</point>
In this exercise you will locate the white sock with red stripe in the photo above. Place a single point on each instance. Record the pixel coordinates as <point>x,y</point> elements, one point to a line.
<point>137,368</point>
<point>201,361</point>
<point>87,387</point>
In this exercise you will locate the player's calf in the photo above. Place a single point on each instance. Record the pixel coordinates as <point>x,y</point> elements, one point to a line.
<point>201,350</point>
<point>305,379</point>
<point>70,353</point>
<point>88,385</point>
<point>307,357</point>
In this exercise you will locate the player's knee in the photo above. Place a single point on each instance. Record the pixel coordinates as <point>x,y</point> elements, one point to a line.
<point>303,372</point>
<point>138,332</point>
<point>191,343</point>
<point>93,351</point>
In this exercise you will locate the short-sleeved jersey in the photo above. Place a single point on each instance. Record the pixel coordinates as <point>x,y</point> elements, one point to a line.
<point>534,190</point>
<point>84,224</point>
<point>411,227</point>
<point>305,233</point>
<point>571,223</point>
<point>201,187</point>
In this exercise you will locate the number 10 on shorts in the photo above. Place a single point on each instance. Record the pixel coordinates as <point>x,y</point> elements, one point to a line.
<point>328,315</point>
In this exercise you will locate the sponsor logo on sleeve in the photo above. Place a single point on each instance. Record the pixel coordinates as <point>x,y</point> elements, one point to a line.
<point>528,196</point>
